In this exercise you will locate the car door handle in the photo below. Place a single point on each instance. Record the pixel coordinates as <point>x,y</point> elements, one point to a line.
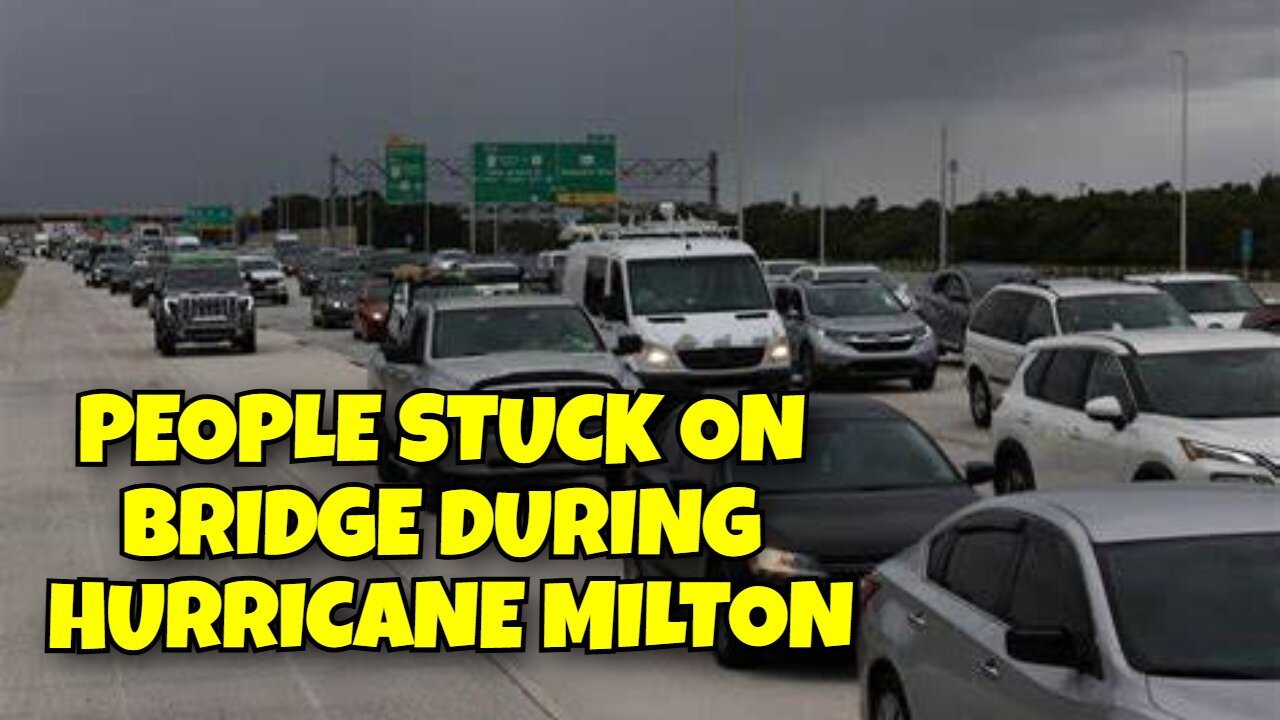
<point>917,620</point>
<point>990,668</point>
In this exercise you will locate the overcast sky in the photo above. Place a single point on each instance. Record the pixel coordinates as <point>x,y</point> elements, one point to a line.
<point>144,102</point>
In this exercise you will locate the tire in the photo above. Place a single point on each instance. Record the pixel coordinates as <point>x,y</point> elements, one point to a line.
<point>804,368</point>
<point>388,470</point>
<point>980,401</point>
<point>730,652</point>
<point>1154,473</point>
<point>166,345</point>
<point>136,300</point>
<point>284,299</point>
<point>248,344</point>
<point>925,380</point>
<point>1014,473</point>
<point>888,701</point>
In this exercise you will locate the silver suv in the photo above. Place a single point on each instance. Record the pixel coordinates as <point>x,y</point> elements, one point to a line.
<point>855,330</point>
<point>1013,315</point>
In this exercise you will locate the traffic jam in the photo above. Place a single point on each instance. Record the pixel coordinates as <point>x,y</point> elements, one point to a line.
<point>1108,546</point>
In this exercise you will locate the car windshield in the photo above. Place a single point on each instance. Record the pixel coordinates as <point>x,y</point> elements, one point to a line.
<point>849,455</point>
<point>259,264</point>
<point>1213,296</point>
<point>1217,384</point>
<point>488,331</point>
<point>696,285</point>
<point>342,284</point>
<point>218,277</point>
<point>1216,617</point>
<point>1121,311</point>
<point>853,300</point>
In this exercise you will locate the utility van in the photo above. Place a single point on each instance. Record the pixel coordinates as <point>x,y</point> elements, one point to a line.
<point>692,294</point>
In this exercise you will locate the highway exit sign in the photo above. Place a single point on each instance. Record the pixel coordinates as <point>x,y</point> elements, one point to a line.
<point>564,173</point>
<point>406,173</point>
<point>209,217</point>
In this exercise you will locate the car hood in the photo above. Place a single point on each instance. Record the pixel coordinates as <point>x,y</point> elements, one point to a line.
<point>869,526</point>
<point>541,369</point>
<point>872,324</point>
<point>1219,699</point>
<point>1227,320</point>
<point>745,328</point>
<point>1256,434</point>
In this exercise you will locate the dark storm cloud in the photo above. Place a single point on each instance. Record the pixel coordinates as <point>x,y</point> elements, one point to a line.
<point>160,102</point>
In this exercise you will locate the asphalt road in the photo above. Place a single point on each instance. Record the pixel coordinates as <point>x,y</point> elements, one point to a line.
<point>58,338</point>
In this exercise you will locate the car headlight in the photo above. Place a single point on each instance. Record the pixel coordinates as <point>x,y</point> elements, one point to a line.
<point>377,316</point>
<point>924,332</point>
<point>778,563</point>
<point>335,304</point>
<point>657,357</point>
<point>1196,450</point>
<point>778,350</point>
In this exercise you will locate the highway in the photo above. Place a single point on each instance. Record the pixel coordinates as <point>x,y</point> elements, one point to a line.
<point>58,338</point>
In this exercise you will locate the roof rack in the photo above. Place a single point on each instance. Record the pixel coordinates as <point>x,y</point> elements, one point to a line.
<point>667,226</point>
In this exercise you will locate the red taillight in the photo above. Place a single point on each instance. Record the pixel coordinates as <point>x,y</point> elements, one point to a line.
<point>867,589</point>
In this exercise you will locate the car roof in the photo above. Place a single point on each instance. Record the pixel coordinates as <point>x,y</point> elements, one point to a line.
<point>1078,287</point>
<point>484,302</point>
<point>1174,278</point>
<point>1164,341</point>
<point>1152,511</point>
<point>656,248</point>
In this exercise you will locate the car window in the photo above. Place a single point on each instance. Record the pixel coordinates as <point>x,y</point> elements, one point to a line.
<point>1063,382</point>
<point>1039,321</point>
<point>1048,591</point>
<point>615,304</point>
<point>979,567</point>
<point>1034,376</point>
<point>1107,378</point>
<point>986,317</point>
<point>593,285</point>
<point>1005,313</point>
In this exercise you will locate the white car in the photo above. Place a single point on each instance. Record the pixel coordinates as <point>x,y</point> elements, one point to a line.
<point>264,277</point>
<point>1116,407</point>
<point>1013,315</point>
<point>1214,300</point>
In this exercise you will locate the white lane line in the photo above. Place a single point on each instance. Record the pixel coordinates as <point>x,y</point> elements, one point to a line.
<point>308,692</point>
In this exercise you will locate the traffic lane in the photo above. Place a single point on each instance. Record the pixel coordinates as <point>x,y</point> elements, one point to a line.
<point>294,318</point>
<point>559,685</point>
<point>60,521</point>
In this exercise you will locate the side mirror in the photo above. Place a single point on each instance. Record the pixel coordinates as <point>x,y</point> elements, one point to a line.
<point>1107,409</point>
<point>1056,647</point>
<point>628,345</point>
<point>395,352</point>
<point>979,472</point>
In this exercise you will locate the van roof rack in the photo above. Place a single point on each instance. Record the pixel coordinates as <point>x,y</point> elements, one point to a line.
<point>669,225</point>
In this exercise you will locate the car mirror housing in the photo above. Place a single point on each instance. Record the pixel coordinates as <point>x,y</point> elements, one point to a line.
<point>979,472</point>
<point>1107,409</point>
<point>628,345</point>
<point>1054,647</point>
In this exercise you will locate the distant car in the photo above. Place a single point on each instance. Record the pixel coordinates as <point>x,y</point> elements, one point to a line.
<point>494,278</point>
<point>1141,406</point>
<point>1214,300</point>
<point>778,270</point>
<point>872,482</point>
<point>1263,318</point>
<point>203,301</point>
<point>144,275</point>
<point>449,258</point>
<point>514,343</point>
<point>319,264</point>
<point>949,296</point>
<point>1013,315</point>
<point>1143,603</point>
<point>264,277</point>
<point>333,302</point>
<point>853,273</point>
<point>854,331</point>
<point>107,264</point>
<point>372,305</point>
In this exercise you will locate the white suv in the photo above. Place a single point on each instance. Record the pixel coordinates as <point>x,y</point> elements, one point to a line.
<point>1013,315</point>
<point>1214,300</point>
<point>1146,405</point>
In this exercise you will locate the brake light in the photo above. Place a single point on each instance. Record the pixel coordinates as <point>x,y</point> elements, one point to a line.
<point>867,588</point>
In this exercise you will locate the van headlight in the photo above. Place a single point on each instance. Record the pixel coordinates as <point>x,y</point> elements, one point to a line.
<point>778,350</point>
<point>657,357</point>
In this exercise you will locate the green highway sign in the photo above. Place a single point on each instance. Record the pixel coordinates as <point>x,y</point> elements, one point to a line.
<point>117,224</point>
<point>406,173</point>
<point>209,217</point>
<point>565,173</point>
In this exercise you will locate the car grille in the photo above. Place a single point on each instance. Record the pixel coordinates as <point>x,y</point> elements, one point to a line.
<point>881,343</point>
<point>726,358</point>
<point>203,308</point>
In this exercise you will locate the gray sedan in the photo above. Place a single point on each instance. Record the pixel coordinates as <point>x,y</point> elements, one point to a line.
<point>1142,602</point>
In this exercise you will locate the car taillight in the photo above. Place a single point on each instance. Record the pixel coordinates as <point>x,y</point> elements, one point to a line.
<point>867,588</point>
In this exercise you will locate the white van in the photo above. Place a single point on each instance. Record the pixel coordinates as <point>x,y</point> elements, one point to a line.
<point>695,297</point>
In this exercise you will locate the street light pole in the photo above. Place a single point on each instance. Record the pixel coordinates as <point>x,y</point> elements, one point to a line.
<point>739,51</point>
<point>942,202</point>
<point>1182,161</point>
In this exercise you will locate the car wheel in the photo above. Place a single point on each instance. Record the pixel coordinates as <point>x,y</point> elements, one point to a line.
<point>249,343</point>
<point>136,300</point>
<point>925,380</point>
<point>284,299</point>
<point>805,369</point>
<point>888,702</point>
<point>166,345</point>
<point>980,400</point>
<point>388,470</point>
<point>1014,473</point>
<point>731,652</point>
<point>1153,473</point>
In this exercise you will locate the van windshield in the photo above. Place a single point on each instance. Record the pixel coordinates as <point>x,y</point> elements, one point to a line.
<point>674,286</point>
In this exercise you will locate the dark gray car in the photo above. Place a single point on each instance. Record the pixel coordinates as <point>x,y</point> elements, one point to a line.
<point>949,297</point>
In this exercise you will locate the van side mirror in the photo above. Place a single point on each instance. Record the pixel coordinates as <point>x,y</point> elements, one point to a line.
<point>400,353</point>
<point>628,345</point>
<point>1055,647</point>
<point>979,472</point>
<point>1107,409</point>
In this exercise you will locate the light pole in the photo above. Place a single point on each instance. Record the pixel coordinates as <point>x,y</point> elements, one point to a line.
<point>822,193</point>
<point>942,201</point>
<point>739,51</point>
<point>1181,55</point>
